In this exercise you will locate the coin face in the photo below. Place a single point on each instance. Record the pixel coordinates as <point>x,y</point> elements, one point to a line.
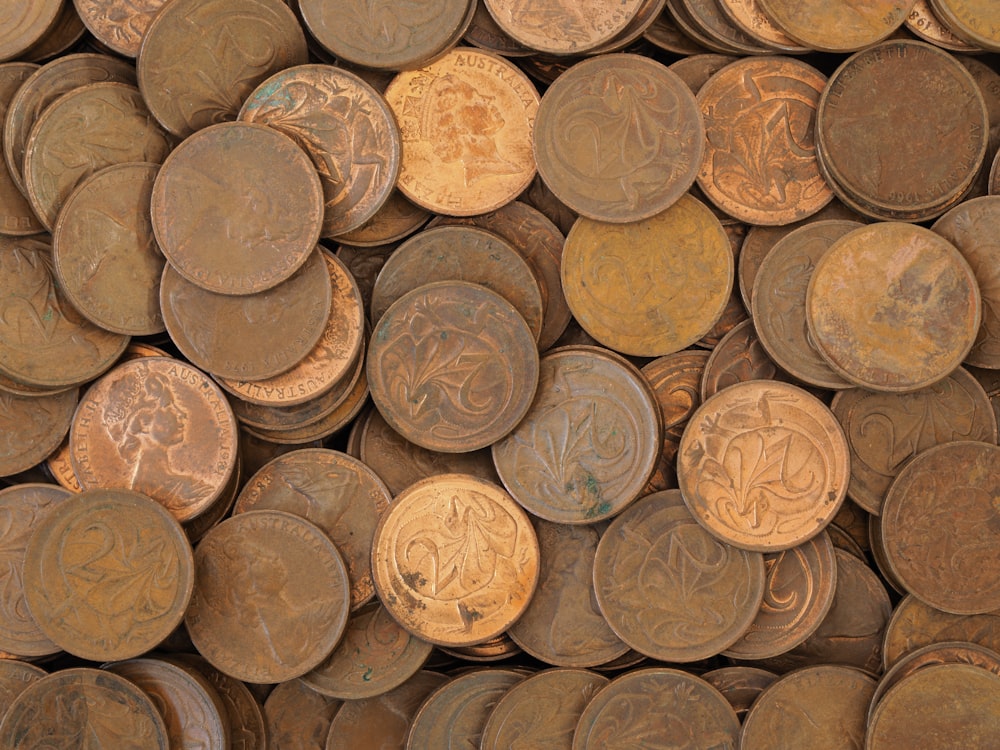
<point>455,560</point>
<point>297,715</point>
<point>558,28</point>
<point>118,24</point>
<point>33,427</point>
<point>975,21</point>
<point>738,357</point>
<point>838,26</point>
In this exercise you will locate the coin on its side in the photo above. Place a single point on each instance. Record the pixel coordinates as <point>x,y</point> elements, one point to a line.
<point>975,21</point>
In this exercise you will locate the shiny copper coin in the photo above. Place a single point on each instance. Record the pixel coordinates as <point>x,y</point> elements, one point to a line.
<point>924,23</point>
<point>16,215</point>
<point>32,428</point>
<point>671,590</point>
<point>15,677</point>
<point>345,127</point>
<point>738,357</point>
<point>109,575</point>
<point>763,465</point>
<point>298,718</point>
<point>590,441</point>
<point>118,24</point>
<point>452,366</point>
<point>271,599</point>
<point>395,220</point>
<point>466,121</point>
<point>107,710</point>
<point>25,25</point>
<point>671,705</point>
<point>741,686</point>
<point>915,624</point>
<point>838,26</point>
<point>455,560</point>
<point>649,287</point>
<point>200,60</point>
<point>893,307</point>
<point>976,21</point>
<point>620,157</point>
<point>559,29</point>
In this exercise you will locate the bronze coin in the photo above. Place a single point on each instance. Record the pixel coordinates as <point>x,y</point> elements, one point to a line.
<point>915,624</point>
<point>158,426</point>
<point>665,34</point>
<point>107,710</point>
<point>886,430</point>
<point>199,60</point>
<point>271,599</point>
<point>653,286</point>
<point>455,560</point>
<point>337,492</point>
<point>485,33</point>
<point>925,24</point>
<point>452,366</point>
<point>556,28</point>
<point>32,428</point>
<point>395,220</point>
<point>893,307</point>
<point>642,19</point>
<point>671,590</point>
<point>538,196</point>
<point>25,25</point>
<point>590,441</point>
<point>737,358</point>
<point>763,465</point>
<point>880,557</point>
<point>494,649</point>
<point>696,69</point>
<point>118,24</point>
<point>976,21</point>
<point>345,127</point>
<point>197,527</point>
<point>109,575</point>
<point>64,34</point>
<point>820,706</point>
<point>711,21</point>
<point>668,704</point>
<point>364,263</point>
<point>739,685</point>
<point>298,718</point>
<point>747,16</point>
<point>990,381</point>
<point>16,215</point>
<point>837,25</point>
<point>253,336</point>
<point>620,157</point>
<point>15,677</point>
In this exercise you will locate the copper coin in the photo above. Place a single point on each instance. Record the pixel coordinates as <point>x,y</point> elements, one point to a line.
<point>778,302</point>
<point>650,287</point>
<point>298,718</point>
<point>820,706</point>
<point>197,527</point>
<point>16,215</point>
<point>915,624</point>
<point>466,121</point>
<point>748,17</point>
<point>695,70</point>
<point>485,33</point>
<point>893,307</point>
<point>881,558</point>
<point>737,358</point>
<point>668,704</point>
<point>990,381</point>
<point>886,430</point>
<point>455,560</point>
<point>336,492</point>
<point>109,575</point>
<point>853,520</point>
<point>22,507</point>
<point>62,35</point>
<point>271,599</point>
<point>158,426</point>
<point>715,24</point>
<point>25,25</point>
<point>396,219</point>
<point>452,366</point>
<point>118,24</point>
<point>563,624</point>
<point>925,24</point>
<point>975,21</point>
<point>107,710</point>
<point>590,441</point>
<point>494,649</point>
<point>739,685</point>
<point>556,28</point>
<point>665,34</point>
<point>364,263</point>
<point>620,157</point>
<point>671,590</point>
<point>763,465</point>
<point>15,677</point>
<point>200,60</point>
<point>541,711</point>
<point>253,336</point>
<point>345,127</point>
<point>538,196</point>
<point>838,26</point>
<point>32,428</point>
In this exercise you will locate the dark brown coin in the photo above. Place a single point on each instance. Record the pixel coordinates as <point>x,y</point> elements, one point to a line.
<point>716,25</point>
<point>25,25</point>
<point>200,60</point>
<point>16,215</point>
<point>695,70</point>
<point>364,263</point>
<point>880,558</point>
<point>298,718</point>
<point>452,366</point>
<point>109,575</point>
<point>990,381</point>
<point>837,26</point>
<point>590,441</point>
<point>494,649</point>
<point>485,33</point>
<point>623,157</point>
<point>665,34</point>
<point>15,677</point>
<point>32,428</point>
<point>914,624</point>
<point>396,219</point>
<point>69,707</point>
<point>118,24</point>
<point>739,685</point>
<point>738,358</point>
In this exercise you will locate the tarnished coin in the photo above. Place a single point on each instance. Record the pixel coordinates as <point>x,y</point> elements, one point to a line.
<point>739,685</point>
<point>452,366</point>
<point>200,59</point>
<point>107,710</point>
<point>924,23</point>
<point>976,21</point>
<point>118,24</point>
<point>696,69</point>
<point>665,34</point>
<point>395,220</point>
<point>747,16</point>
<point>24,25</point>
<point>837,26</point>
<point>590,441</point>
<point>109,575</point>
<point>494,649</point>
<point>763,465</point>
<point>455,560</point>
<point>298,718</point>
<point>737,358</point>
<point>32,428</point>
<point>653,286</point>
<point>15,677</point>
<point>17,218</point>
<point>915,624</point>
<point>271,599</point>
<point>893,307</point>
<point>555,28</point>
<point>619,138</point>
<point>671,590</point>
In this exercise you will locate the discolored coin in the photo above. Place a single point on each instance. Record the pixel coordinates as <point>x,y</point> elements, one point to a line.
<point>15,677</point>
<point>452,366</point>
<point>298,718</point>
<point>763,465</point>
<point>395,220</point>
<point>109,575</point>
<point>739,685</point>
<point>747,16</point>
<point>590,441</point>
<point>118,24</point>
<point>25,25</point>
<point>837,25</point>
<point>893,307</point>
<point>975,21</point>
<point>915,624</point>
<point>485,33</point>
<point>455,560</point>
<point>16,215</point>
<point>924,23</point>
<point>32,428</point>
<point>737,358</point>
<point>618,138</point>
<point>271,599</point>
<point>653,286</point>
<point>557,28</point>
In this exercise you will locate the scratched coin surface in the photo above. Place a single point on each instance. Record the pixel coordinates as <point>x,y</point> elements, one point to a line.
<point>840,25</point>
<point>298,718</point>
<point>16,215</point>
<point>893,307</point>
<point>32,428</point>
<point>763,465</point>
<point>271,599</point>
<point>668,588</point>
<point>976,21</point>
<point>118,24</point>
<point>915,624</point>
<point>455,560</point>
<point>560,28</point>
<point>619,138</point>
<point>652,286</point>
<point>452,366</point>
<point>199,60</point>
<point>109,575</point>
<point>466,122</point>
<point>590,441</point>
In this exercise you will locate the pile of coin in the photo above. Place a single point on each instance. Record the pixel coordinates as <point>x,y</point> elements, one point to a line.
<point>500,374</point>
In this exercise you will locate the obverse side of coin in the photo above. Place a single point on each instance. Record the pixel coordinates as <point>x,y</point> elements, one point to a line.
<point>737,358</point>
<point>118,24</point>
<point>626,156</point>
<point>33,427</point>
<point>298,718</point>
<point>16,215</point>
<point>557,28</point>
<point>25,25</point>
<point>838,26</point>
